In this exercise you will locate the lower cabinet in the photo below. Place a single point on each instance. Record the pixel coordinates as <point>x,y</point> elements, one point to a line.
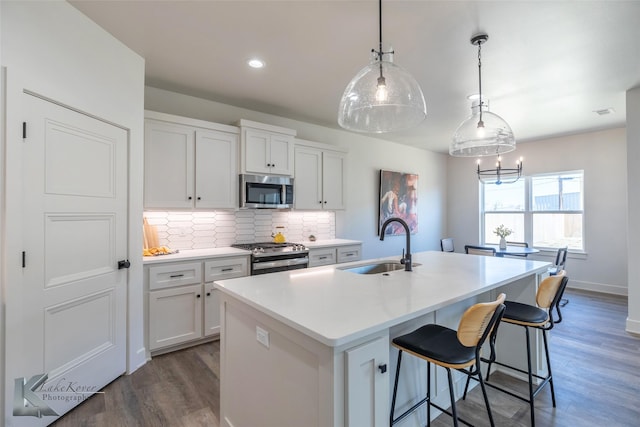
<point>183,305</point>
<point>334,255</point>
<point>367,384</point>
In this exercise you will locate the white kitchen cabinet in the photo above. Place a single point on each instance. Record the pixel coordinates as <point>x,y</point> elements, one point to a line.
<point>189,163</point>
<point>322,256</point>
<point>219,269</point>
<point>349,253</point>
<point>175,316</point>
<point>183,305</point>
<point>319,176</point>
<point>367,384</point>
<point>334,254</point>
<point>266,149</point>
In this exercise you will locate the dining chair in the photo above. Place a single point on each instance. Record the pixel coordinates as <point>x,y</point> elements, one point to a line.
<point>479,250</point>
<point>521,244</point>
<point>446,245</point>
<point>561,259</point>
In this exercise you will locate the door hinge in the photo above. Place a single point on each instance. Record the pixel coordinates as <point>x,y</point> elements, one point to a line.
<point>24,130</point>
<point>24,259</point>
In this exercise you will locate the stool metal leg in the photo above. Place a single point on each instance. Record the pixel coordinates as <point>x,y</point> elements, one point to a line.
<point>453,398</point>
<point>428,394</point>
<point>549,375</point>
<point>484,394</point>
<point>530,374</point>
<point>395,389</point>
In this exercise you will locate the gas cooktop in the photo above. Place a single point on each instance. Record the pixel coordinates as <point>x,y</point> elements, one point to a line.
<point>270,247</point>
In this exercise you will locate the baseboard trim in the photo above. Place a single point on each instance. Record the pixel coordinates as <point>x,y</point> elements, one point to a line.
<point>137,360</point>
<point>633,326</point>
<point>598,287</point>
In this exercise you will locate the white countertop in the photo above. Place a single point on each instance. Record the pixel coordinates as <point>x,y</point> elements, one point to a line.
<point>330,242</point>
<point>185,255</point>
<point>189,254</point>
<point>336,307</point>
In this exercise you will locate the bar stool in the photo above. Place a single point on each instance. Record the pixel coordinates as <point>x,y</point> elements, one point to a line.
<point>541,317</point>
<point>445,347</point>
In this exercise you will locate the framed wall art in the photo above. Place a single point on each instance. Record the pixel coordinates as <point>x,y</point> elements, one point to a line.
<point>398,199</point>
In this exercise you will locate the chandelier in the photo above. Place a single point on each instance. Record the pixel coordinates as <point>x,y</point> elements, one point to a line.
<point>500,175</point>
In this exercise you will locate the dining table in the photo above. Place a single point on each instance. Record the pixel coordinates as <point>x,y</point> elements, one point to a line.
<point>512,250</point>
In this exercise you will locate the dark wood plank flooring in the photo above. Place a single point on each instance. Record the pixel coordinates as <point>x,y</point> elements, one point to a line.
<point>596,369</point>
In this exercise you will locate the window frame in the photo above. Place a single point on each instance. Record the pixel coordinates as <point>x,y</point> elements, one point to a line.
<point>529,213</point>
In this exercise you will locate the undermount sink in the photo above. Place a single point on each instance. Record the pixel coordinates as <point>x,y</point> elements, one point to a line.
<point>377,268</point>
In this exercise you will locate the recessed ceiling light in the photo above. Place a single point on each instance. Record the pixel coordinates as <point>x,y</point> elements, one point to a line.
<point>255,63</point>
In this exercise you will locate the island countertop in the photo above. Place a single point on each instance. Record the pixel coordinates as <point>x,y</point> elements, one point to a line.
<point>335,307</point>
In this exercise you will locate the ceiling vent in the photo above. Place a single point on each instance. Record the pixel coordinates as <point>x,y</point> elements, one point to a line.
<point>604,111</point>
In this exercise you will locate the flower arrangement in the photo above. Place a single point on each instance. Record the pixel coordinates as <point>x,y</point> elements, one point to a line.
<point>502,231</point>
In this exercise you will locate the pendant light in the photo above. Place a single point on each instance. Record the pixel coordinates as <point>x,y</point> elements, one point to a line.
<point>382,97</point>
<point>483,133</point>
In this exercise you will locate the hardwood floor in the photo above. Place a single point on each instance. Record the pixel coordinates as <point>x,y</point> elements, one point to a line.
<point>596,367</point>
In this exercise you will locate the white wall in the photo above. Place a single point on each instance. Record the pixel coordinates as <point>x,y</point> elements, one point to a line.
<point>602,155</point>
<point>365,159</point>
<point>50,48</point>
<point>633,236</point>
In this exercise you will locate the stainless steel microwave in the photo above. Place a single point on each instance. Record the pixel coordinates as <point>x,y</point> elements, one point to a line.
<point>266,192</point>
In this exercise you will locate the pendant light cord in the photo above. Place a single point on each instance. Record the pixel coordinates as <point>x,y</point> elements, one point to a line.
<point>480,81</point>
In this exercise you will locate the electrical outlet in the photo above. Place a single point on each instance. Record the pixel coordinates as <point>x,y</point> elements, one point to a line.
<point>262,336</point>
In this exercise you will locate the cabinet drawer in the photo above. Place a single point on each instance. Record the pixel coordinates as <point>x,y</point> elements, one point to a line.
<point>325,256</point>
<point>349,253</point>
<point>169,275</point>
<point>226,268</point>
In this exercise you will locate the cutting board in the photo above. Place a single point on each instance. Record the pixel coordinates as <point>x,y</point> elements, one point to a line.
<point>150,234</point>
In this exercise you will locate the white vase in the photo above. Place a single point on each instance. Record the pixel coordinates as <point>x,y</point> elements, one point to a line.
<point>503,243</point>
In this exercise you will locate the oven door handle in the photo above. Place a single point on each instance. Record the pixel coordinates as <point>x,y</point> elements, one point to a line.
<point>280,263</point>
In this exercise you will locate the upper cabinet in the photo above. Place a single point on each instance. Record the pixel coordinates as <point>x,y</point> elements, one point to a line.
<point>189,163</point>
<point>266,149</point>
<point>319,176</point>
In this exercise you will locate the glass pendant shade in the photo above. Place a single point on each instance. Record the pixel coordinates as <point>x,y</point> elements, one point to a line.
<point>382,97</point>
<point>486,136</point>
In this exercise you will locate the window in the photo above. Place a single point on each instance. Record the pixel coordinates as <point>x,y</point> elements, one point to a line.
<point>545,210</point>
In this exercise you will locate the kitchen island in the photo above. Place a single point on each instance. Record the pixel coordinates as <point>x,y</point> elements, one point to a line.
<point>312,347</point>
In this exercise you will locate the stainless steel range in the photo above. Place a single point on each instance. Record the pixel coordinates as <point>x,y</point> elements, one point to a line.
<point>268,257</point>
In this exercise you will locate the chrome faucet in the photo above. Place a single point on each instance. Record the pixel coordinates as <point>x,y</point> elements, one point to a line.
<point>406,257</point>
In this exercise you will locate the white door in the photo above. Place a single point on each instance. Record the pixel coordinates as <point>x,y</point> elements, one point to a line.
<point>72,311</point>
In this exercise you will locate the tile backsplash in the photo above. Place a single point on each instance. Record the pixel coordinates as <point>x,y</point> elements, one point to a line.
<point>199,230</point>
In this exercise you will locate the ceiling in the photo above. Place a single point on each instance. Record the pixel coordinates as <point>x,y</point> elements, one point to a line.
<point>548,65</point>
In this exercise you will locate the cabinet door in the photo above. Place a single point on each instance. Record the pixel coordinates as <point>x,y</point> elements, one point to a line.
<point>308,178</point>
<point>349,253</point>
<point>226,268</point>
<point>256,151</point>
<point>322,256</point>
<point>175,316</point>
<point>216,170</point>
<point>281,154</point>
<point>168,165</point>
<point>211,310</point>
<point>333,173</point>
<point>367,384</point>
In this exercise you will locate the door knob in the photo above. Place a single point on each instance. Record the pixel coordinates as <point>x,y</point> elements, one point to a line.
<point>123,264</point>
